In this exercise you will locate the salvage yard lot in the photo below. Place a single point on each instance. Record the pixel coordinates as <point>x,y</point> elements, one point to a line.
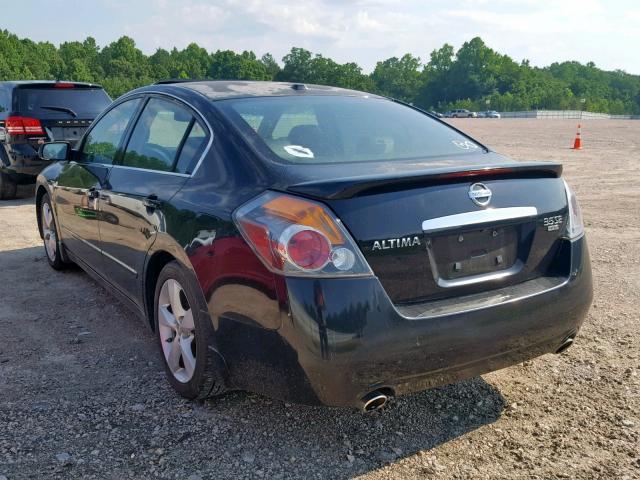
<point>83,395</point>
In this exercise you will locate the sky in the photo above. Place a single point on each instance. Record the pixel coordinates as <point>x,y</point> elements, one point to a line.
<point>364,31</point>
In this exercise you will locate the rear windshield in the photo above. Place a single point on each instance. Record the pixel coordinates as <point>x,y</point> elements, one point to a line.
<point>84,103</point>
<point>335,129</point>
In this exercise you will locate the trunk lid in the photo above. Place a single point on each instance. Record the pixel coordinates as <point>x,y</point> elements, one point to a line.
<point>430,240</point>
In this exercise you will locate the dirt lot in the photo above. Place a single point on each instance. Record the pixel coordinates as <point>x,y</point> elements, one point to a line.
<point>82,394</point>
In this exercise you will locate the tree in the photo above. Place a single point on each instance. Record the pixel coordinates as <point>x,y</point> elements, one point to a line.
<point>125,66</point>
<point>467,78</point>
<point>398,77</point>
<point>192,62</point>
<point>80,60</point>
<point>228,65</point>
<point>161,64</point>
<point>270,65</point>
<point>298,66</point>
<point>435,77</point>
<point>302,66</point>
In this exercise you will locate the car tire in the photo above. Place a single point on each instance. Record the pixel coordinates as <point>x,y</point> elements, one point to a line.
<point>8,188</point>
<point>193,367</point>
<point>52,245</point>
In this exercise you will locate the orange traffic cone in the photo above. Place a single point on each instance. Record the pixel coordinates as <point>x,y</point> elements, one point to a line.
<point>577,143</point>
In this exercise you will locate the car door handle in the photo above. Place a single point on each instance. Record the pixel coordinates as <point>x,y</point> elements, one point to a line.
<point>151,201</point>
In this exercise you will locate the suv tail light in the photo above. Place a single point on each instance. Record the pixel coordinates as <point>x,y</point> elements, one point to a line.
<point>23,126</point>
<point>299,237</point>
<point>575,226</point>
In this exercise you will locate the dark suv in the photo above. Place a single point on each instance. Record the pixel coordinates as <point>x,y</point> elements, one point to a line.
<point>32,112</point>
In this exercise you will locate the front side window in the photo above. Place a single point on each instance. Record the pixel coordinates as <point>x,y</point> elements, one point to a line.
<point>103,140</point>
<point>163,132</point>
<point>338,129</point>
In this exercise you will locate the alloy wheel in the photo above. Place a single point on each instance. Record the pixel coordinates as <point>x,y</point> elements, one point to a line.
<point>49,232</point>
<point>177,330</point>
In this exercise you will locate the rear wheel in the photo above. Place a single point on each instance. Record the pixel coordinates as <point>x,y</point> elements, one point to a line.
<point>184,335</point>
<point>8,187</point>
<point>52,246</point>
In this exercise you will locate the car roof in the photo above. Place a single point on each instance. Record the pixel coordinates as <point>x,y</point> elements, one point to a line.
<point>46,83</point>
<point>221,89</point>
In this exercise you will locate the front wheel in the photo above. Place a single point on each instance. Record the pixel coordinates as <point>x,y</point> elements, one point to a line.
<point>185,336</point>
<point>52,246</point>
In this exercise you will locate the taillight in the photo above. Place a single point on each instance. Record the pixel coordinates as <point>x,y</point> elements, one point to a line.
<point>64,85</point>
<point>299,237</point>
<point>307,248</point>
<point>575,226</point>
<point>23,126</point>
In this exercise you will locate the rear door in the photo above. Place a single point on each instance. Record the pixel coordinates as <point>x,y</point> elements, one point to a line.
<point>76,193</point>
<point>162,151</point>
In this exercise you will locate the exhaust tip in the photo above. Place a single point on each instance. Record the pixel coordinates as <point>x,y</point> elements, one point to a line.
<point>566,344</point>
<point>374,401</point>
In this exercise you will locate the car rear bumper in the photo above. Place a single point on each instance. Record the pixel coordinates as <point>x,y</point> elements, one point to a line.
<point>343,338</point>
<point>338,340</point>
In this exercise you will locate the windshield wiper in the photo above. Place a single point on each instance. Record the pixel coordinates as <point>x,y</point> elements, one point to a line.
<point>60,109</point>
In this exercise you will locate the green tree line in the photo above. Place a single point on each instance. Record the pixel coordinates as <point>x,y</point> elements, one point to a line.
<point>475,76</point>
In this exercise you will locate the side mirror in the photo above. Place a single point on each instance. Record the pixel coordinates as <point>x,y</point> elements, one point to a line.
<point>54,151</point>
<point>3,134</point>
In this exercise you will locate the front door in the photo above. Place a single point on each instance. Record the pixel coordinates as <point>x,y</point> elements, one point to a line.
<point>164,144</point>
<point>76,201</point>
<point>79,184</point>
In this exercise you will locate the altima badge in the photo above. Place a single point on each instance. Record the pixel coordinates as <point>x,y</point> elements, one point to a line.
<point>396,243</point>
<point>480,194</point>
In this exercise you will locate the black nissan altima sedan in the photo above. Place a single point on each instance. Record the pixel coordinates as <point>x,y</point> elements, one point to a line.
<point>315,244</point>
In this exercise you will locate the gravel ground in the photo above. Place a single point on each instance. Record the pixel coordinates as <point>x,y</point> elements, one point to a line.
<point>83,395</point>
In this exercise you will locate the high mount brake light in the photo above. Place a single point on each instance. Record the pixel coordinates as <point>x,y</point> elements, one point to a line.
<point>575,226</point>
<point>64,85</point>
<point>23,126</point>
<point>299,237</point>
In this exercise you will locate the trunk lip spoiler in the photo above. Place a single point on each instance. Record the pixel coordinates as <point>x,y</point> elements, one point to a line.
<point>348,187</point>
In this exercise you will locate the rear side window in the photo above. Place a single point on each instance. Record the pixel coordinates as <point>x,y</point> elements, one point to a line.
<point>192,149</point>
<point>166,138</point>
<point>339,129</point>
<point>81,103</point>
<point>103,140</point>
